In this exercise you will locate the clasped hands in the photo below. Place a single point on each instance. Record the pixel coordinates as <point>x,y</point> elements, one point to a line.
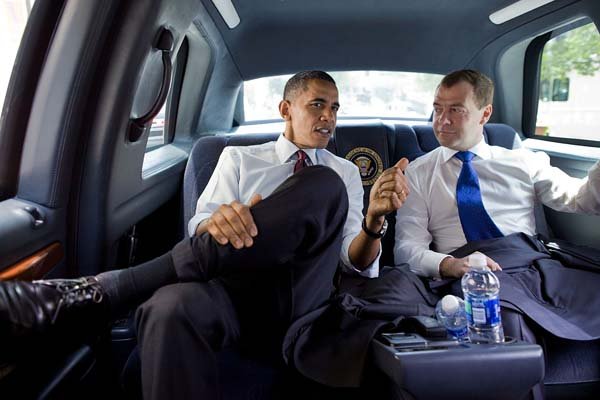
<point>232,223</point>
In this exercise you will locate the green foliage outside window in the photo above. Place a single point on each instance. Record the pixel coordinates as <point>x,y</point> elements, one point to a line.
<point>568,105</point>
<point>577,50</point>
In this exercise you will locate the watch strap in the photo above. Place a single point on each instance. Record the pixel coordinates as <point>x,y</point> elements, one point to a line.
<point>374,235</point>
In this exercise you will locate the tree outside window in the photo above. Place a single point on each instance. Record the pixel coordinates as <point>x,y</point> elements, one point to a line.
<point>569,105</point>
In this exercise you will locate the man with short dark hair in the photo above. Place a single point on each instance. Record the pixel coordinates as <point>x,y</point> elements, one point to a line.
<point>309,109</point>
<point>252,266</point>
<point>299,82</point>
<point>469,196</point>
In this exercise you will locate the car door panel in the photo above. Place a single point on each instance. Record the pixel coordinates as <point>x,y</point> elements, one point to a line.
<point>32,240</point>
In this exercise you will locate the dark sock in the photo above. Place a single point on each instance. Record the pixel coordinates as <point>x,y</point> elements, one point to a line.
<point>126,287</point>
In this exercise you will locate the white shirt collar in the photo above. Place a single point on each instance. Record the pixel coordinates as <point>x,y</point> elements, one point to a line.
<point>481,150</point>
<point>286,150</point>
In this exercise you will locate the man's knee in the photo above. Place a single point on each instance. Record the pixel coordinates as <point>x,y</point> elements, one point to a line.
<point>323,183</point>
<point>322,175</point>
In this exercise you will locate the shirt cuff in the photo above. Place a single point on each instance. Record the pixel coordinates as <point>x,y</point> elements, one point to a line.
<point>430,263</point>
<point>372,271</point>
<point>195,221</point>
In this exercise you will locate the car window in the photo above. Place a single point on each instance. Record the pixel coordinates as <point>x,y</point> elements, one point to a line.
<point>13,17</point>
<point>156,138</point>
<point>568,104</point>
<point>384,94</point>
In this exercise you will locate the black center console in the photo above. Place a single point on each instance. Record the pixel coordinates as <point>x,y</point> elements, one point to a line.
<point>440,368</point>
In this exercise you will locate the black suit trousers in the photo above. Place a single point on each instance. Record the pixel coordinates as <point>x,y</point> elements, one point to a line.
<point>249,297</point>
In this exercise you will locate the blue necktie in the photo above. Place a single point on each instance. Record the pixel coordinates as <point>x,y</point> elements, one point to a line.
<point>475,221</point>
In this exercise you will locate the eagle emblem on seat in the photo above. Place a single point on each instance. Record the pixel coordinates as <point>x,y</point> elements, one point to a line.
<point>368,162</point>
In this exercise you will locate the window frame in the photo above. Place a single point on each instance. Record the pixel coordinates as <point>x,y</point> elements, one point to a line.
<point>29,62</point>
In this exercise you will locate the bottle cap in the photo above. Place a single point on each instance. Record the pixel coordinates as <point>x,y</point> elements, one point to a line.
<point>450,304</point>
<point>477,261</point>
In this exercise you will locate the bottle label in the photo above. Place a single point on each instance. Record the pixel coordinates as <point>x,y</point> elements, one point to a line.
<point>458,332</point>
<point>482,311</point>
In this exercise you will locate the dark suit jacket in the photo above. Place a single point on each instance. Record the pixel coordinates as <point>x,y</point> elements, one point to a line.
<point>556,288</point>
<point>331,344</point>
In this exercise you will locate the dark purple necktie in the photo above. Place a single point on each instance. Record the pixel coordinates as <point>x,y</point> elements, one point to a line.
<point>301,161</point>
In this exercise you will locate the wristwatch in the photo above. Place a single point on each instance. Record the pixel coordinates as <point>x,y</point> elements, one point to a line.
<point>375,235</point>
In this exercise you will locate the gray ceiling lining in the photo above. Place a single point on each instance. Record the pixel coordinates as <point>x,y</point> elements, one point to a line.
<point>279,36</point>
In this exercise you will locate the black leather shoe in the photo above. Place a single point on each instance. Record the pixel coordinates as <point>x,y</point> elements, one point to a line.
<point>31,308</point>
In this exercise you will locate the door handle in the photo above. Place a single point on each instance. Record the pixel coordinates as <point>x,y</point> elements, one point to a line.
<point>38,219</point>
<point>164,43</point>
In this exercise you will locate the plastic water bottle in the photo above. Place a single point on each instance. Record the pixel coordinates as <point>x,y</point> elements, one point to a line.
<point>481,289</point>
<point>450,311</point>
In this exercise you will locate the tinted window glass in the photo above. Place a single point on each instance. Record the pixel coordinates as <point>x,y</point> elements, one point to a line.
<point>156,138</point>
<point>569,105</point>
<point>13,17</point>
<point>383,94</point>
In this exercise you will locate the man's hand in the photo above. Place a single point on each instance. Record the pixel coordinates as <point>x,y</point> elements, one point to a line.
<point>389,191</point>
<point>232,223</point>
<point>451,267</point>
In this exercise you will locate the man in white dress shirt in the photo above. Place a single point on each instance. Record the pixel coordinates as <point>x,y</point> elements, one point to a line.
<point>275,259</point>
<point>273,283</point>
<point>246,174</point>
<point>252,266</point>
<point>428,226</point>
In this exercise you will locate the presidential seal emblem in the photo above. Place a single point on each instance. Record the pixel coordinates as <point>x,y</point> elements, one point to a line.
<point>368,162</point>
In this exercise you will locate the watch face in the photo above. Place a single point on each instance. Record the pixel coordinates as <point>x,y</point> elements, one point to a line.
<point>384,227</point>
<point>377,235</point>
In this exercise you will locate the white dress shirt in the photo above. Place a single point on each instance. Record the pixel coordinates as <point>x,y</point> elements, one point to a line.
<point>245,170</point>
<point>428,226</point>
